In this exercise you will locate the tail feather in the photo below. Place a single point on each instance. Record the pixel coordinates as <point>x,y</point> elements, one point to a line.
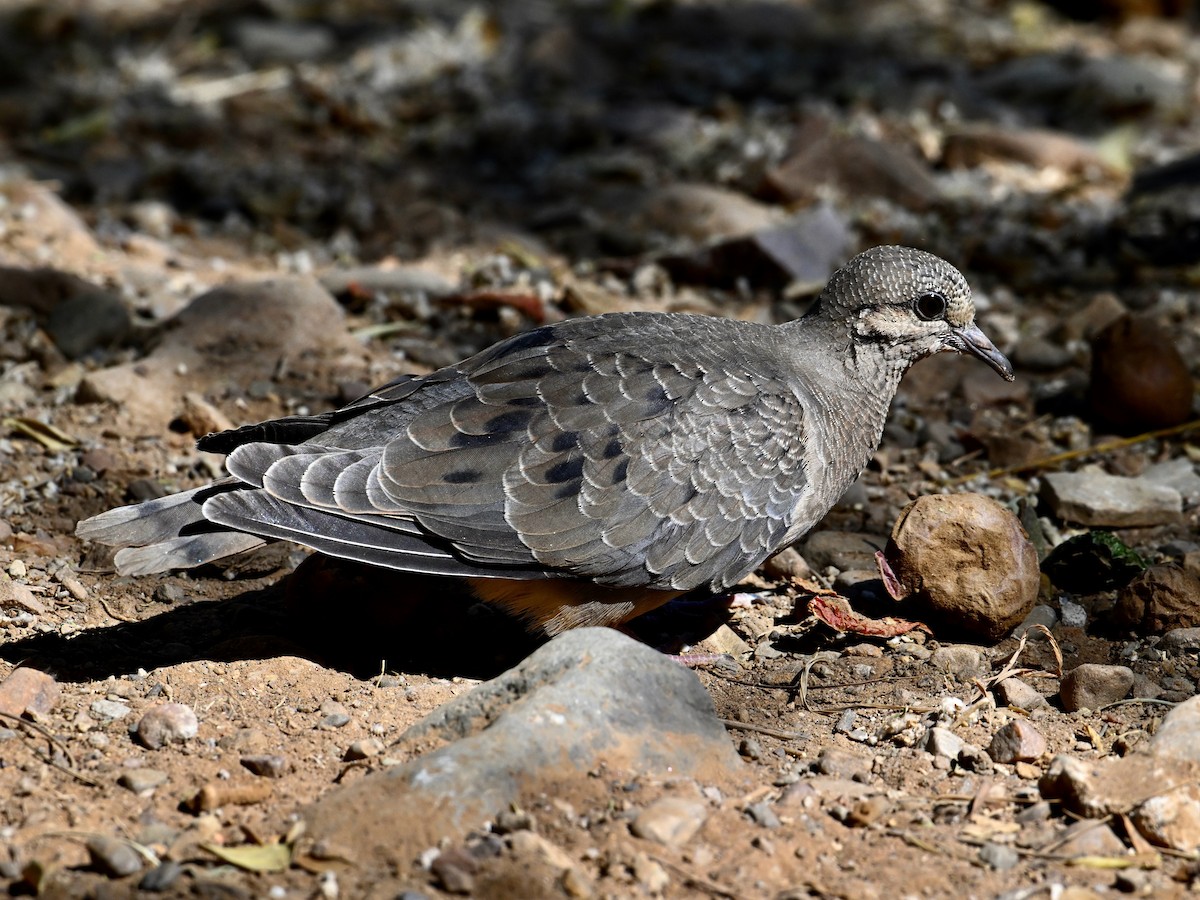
<point>183,552</point>
<point>167,532</point>
<point>154,520</point>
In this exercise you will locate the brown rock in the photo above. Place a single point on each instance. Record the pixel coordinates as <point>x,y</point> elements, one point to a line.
<point>1018,741</point>
<point>1139,380</point>
<point>1093,685</point>
<point>1038,148</point>
<point>237,333</point>
<point>858,166</point>
<point>967,562</point>
<point>1159,599</point>
<point>28,690</point>
<point>13,593</point>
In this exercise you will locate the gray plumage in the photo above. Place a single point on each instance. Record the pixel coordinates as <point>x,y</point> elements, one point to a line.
<point>632,450</point>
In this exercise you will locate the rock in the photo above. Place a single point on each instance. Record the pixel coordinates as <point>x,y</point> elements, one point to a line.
<point>1043,615</point>
<point>89,320</point>
<point>788,563</point>
<point>671,821</point>
<point>998,856</point>
<point>1157,790</point>
<point>1139,380</point>
<point>27,690</point>
<point>1091,839</point>
<point>845,764</point>
<point>1015,692</point>
<point>1096,499</point>
<point>199,417</point>
<point>1040,354</point>
<point>1178,737</point>
<point>109,710</point>
<point>971,145</point>
<point>994,391</point>
<point>268,765</point>
<point>113,857</point>
<point>1180,474</point>
<point>15,594</point>
<point>966,562</point>
<point>703,213</point>
<point>963,661</point>
<point>1017,741</point>
<point>843,550</point>
<point>333,715</point>
<point>589,698</point>
<point>726,640</point>
<point>142,780</point>
<point>943,742</point>
<point>1171,818</point>
<point>161,878</point>
<point>857,166</point>
<point>1087,89</point>
<point>454,870</point>
<point>363,749</point>
<point>167,723</point>
<point>803,250</point>
<point>761,814</point>
<point>1160,599</point>
<point>1104,309</point>
<point>232,334</point>
<point>650,874</point>
<point>1092,685</point>
<point>1181,639</point>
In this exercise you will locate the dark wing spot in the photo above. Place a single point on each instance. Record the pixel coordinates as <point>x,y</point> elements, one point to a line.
<point>564,441</point>
<point>569,489</point>
<point>613,449</point>
<point>567,470</point>
<point>620,471</point>
<point>513,420</point>
<point>657,399</point>
<point>471,440</point>
<point>462,476</point>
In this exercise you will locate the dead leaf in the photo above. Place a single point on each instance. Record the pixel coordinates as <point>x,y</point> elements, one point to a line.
<point>48,436</point>
<point>254,857</point>
<point>835,611</point>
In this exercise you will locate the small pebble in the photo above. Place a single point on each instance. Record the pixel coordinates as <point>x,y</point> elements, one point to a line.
<point>109,710</point>
<point>761,814</point>
<point>363,749</point>
<point>1018,741</point>
<point>114,858</point>
<point>142,780</point>
<point>998,856</point>
<point>267,765</point>
<point>161,878</point>
<point>671,821</point>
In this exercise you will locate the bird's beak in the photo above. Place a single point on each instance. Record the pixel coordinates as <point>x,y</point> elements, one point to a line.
<point>969,339</point>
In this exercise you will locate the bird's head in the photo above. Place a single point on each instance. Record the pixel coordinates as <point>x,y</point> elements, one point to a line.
<point>911,303</point>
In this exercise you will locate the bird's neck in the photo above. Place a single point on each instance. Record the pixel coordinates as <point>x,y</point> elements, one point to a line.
<point>852,384</point>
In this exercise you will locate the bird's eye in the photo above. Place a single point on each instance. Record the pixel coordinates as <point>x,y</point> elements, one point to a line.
<point>930,306</point>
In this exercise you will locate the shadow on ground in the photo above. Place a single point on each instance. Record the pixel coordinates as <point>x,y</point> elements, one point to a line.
<point>356,618</point>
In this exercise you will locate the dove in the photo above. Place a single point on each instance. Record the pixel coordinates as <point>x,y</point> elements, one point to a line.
<point>588,471</point>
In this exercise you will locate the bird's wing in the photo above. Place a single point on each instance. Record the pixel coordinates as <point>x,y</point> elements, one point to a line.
<point>564,457</point>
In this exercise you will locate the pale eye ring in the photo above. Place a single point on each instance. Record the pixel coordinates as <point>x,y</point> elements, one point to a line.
<point>931,305</point>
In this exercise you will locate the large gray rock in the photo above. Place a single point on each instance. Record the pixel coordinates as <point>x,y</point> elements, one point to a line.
<point>590,698</point>
<point>1099,500</point>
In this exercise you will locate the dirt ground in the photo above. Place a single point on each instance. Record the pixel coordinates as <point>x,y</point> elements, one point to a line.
<point>453,173</point>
